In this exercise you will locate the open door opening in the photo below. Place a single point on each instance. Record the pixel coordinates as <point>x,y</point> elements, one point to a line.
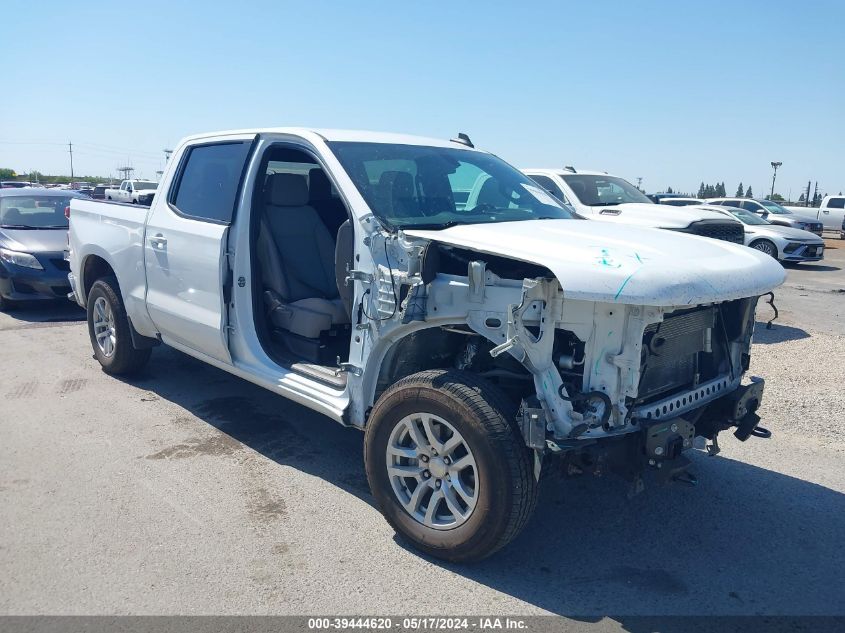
<point>301,241</point>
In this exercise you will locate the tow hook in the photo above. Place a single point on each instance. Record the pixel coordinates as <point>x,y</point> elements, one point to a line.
<point>748,426</point>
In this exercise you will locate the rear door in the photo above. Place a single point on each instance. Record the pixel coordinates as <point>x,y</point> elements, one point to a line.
<point>185,245</point>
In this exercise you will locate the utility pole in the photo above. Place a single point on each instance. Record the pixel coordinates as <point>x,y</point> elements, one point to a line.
<point>167,153</point>
<point>775,165</point>
<point>815,193</point>
<point>70,151</point>
<point>126,171</point>
<point>807,199</point>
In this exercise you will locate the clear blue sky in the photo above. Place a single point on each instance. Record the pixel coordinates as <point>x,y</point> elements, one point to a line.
<point>675,92</point>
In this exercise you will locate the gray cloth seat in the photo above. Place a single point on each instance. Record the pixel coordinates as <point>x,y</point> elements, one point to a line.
<point>296,253</point>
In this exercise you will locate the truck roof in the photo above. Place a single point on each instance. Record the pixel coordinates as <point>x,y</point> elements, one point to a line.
<point>360,136</point>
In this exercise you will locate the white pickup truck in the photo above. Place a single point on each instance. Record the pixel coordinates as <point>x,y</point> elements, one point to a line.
<point>474,343</point>
<point>134,191</point>
<point>599,196</point>
<point>831,212</point>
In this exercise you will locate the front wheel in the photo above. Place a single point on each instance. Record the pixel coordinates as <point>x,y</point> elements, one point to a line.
<point>767,247</point>
<point>108,328</point>
<point>447,465</point>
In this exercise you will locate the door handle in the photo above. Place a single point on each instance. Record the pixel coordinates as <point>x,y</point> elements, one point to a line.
<point>158,241</point>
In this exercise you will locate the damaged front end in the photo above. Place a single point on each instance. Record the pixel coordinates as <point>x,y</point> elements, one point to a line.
<point>603,385</point>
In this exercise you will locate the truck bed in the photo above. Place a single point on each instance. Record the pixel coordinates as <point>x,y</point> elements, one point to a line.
<point>114,232</point>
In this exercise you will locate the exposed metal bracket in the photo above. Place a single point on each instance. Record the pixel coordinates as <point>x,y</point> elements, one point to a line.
<point>347,368</point>
<point>476,272</point>
<point>358,275</point>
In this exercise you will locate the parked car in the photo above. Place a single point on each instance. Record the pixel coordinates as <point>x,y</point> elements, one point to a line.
<point>781,242</point>
<point>599,196</point>
<point>831,212</point>
<point>99,192</point>
<point>133,191</point>
<point>680,202</point>
<point>842,230</point>
<point>33,237</point>
<point>14,184</point>
<point>771,211</point>
<point>469,340</point>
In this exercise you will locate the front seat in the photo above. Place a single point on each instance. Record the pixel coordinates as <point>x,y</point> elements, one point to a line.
<point>296,253</point>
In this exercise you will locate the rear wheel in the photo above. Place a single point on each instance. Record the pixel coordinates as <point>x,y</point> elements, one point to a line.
<point>765,246</point>
<point>447,466</point>
<point>108,328</point>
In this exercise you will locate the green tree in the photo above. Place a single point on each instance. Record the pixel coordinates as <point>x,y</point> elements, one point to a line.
<point>669,190</point>
<point>801,198</point>
<point>701,192</point>
<point>748,193</point>
<point>5,172</point>
<point>739,191</point>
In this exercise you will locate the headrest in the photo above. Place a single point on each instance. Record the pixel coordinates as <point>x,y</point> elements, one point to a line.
<point>13,215</point>
<point>396,184</point>
<point>287,190</point>
<point>319,187</point>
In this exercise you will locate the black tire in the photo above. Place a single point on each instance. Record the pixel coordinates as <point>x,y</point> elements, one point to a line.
<point>485,417</point>
<point>125,359</point>
<point>765,246</point>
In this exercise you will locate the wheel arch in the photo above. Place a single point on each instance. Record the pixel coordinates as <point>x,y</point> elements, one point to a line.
<point>94,267</point>
<point>770,242</point>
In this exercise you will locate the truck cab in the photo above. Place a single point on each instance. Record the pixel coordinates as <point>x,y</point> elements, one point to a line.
<point>433,296</point>
<point>133,191</point>
<point>830,213</point>
<point>600,196</point>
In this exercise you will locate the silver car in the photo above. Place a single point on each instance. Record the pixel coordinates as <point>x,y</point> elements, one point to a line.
<point>771,211</point>
<point>781,242</point>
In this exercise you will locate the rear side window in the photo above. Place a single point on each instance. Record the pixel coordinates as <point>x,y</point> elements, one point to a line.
<point>836,203</point>
<point>549,185</point>
<point>208,181</point>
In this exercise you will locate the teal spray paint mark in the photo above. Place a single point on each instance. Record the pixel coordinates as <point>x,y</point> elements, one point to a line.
<point>624,283</point>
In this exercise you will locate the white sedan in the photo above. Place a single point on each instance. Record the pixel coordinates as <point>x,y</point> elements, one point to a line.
<point>781,242</point>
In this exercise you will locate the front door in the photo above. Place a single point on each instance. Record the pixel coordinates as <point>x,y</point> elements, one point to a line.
<point>185,247</point>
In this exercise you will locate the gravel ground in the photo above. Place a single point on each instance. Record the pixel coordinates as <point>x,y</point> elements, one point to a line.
<point>189,491</point>
<point>805,375</point>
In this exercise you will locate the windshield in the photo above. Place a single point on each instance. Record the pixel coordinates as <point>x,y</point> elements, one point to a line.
<point>34,212</point>
<point>773,207</point>
<point>145,185</point>
<point>601,191</point>
<point>680,203</point>
<point>417,186</point>
<point>746,217</point>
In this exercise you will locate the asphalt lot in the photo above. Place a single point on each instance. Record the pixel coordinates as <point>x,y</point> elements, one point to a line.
<point>188,491</point>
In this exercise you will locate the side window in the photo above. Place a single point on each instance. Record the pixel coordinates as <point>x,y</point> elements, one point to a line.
<point>549,185</point>
<point>209,179</point>
<point>123,186</point>
<point>750,206</point>
<point>836,203</point>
